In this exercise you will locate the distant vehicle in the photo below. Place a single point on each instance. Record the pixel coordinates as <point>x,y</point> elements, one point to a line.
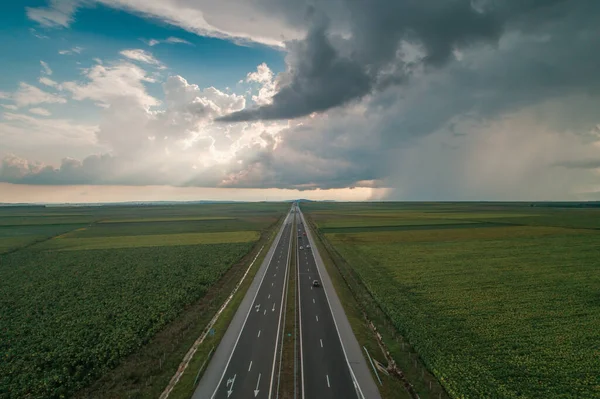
<point>301,247</point>
<point>304,233</point>
<point>307,246</point>
<point>316,283</point>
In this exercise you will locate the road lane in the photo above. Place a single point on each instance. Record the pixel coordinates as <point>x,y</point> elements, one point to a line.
<point>354,359</point>
<point>249,370</point>
<point>325,371</point>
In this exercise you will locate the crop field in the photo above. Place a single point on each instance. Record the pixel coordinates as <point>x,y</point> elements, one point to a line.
<point>507,311</point>
<point>72,306</point>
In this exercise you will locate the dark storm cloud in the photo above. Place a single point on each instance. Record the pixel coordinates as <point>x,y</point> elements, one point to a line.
<point>322,75</point>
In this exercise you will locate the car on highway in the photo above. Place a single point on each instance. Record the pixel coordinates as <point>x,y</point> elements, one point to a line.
<point>307,246</point>
<point>316,283</point>
<point>301,247</point>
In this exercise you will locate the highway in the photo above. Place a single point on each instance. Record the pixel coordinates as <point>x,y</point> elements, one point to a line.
<point>331,363</point>
<point>247,369</point>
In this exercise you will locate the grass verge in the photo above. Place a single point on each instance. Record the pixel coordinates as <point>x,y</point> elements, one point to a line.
<point>148,371</point>
<point>184,389</point>
<point>368,320</point>
<point>287,382</point>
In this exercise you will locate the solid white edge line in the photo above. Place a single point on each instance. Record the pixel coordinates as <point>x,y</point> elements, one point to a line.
<point>332,315</point>
<point>299,304</point>
<point>283,296</point>
<point>251,307</point>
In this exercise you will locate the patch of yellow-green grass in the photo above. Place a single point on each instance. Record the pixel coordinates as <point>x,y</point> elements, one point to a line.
<point>371,221</point>
<point>166,219</point>
<point>149,240</point>
<point>444,215</point>
<point>460,234</point>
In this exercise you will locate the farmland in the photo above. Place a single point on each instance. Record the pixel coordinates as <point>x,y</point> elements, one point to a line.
<point>82,288</point>
<point>499,300</point>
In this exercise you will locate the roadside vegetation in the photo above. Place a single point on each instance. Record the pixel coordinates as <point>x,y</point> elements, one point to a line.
<point>70,316</point>
<point>507,310</point>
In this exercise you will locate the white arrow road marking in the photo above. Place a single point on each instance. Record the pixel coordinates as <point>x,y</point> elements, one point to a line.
<point>229,385</point>
<point>319,340</point>
<point>249,367</point>
<point>265,311</point>
<point>256,390</point>
<point>317,318</point>
<point>272,310</point>
<point>269,296</point>
<point>328,386</point>
<point>258,333</point>
<point>313,300</point>
<point>271,284</point>
<point>257,307</point>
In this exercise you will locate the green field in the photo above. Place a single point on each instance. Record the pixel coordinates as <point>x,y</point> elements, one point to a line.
<point>507,311</point>
<point>77,295</point>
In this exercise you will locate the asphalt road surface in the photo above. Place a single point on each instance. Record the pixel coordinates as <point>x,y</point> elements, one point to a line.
<point>250,370</point>
<point>331,361</point>
<point>325,371</point>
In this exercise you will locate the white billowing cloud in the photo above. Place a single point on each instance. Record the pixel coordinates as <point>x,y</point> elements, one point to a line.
<point>142,56</point>
<point>45,68</point>
<point>169,40</point>
<point>264,77</point>
<point>178,93</point>
<point>74,50</point>
<point>40,111</point>
<point>179,144</point>
<point>30,95</point>
<point>48,82</point>
<point>58,14</point>
<point>10,106</point>
<point>109,85</point>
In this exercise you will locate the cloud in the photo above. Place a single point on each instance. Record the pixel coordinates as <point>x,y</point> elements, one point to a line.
<point>265,78</point>
<point>48,82</point>
<point>30,95</point>
<point>74,50</point>
<point>45,68</point>
<point>10,106</point>
<point>326,70</point>
<point>169,40</point>
<point>142,56</point>
<point>436,100</point>
<point>38,35</point>
<point>46,138</point>
<point>261,22</point>
<point>40,111</point>
<point>112,85</point>
<point>58,14</point>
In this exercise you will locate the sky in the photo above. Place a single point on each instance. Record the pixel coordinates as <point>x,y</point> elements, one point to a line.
<point>436,100</point>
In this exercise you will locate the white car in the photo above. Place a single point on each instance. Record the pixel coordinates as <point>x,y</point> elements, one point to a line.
<point>307,246</point>
<point>301,247</point>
